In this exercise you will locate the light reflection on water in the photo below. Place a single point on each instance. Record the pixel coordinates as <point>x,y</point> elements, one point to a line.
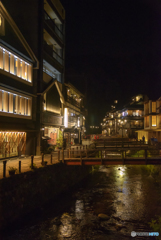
<point>129,195</point>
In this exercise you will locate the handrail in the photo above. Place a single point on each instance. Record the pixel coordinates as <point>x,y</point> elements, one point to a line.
<point>52,53</point>
<point>55,28</point>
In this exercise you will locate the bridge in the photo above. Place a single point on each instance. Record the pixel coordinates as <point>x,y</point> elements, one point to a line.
<point>112,154</point>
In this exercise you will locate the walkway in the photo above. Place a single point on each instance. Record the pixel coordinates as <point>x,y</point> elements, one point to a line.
<point>26,161</point>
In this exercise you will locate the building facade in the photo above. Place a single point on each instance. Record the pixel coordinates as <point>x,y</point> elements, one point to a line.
<point>33,92</point>
<point>124,122</point>
<point>44,30</point>
<point>152,121</point>
<point>74,114</point>
<point>18,96</point>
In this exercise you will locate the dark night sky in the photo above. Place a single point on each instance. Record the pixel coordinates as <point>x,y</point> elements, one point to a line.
<point>113,50</point>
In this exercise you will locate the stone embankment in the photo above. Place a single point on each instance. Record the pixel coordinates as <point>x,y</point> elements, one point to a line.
<point>25,192</point>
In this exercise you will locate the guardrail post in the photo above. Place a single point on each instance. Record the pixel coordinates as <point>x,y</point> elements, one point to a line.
<point>81,157</point>
<point>59,155</point>
<point>4,168</point>
<point>101,158</point>
<point>146,156</point>
<point>123,157</point>
<point>32,161</point>
<point>19,166</point>
<point>51,159</point>
<point>86,153</point>
<point>63,156</point>
<point>42,159</point>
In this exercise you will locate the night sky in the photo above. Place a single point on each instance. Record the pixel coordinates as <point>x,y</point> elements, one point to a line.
<point>113,50</point>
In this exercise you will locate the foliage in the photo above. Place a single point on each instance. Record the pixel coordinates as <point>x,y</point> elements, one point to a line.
<point>59,140</point>
<point>50,149</point>
<point>140,153</point>
<point>12,169</point>
<point>156,225</point>
<point>98,154</point>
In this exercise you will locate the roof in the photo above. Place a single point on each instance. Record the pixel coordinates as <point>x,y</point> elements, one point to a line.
<point>74,88</point>
<point>19,35</point>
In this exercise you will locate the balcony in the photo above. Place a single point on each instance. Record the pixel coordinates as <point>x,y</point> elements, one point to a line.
<point>73,102</point>
<point>53,26</point>
<point>52,53</point>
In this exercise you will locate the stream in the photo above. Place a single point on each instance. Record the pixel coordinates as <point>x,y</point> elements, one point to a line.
<point>110,204</point>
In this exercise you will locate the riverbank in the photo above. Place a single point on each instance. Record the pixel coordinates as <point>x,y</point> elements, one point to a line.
<point>21,194</point>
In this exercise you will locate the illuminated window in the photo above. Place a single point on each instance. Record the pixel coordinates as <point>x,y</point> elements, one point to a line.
<point>153,106</point>
<point>153,121</point>
<point>14,65</point>
<point>13,103</point>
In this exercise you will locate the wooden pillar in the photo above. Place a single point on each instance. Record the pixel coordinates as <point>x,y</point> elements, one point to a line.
<point>59,155</point>
<point>19,166</point>
<point>81,157</point>
<point>32,161</point>
<point>123,157</point>
<point>51,159</point>
<point>101,158</point>
<point>146,156</point>
<point>63,156</point>
<point>104,143</point>
<point>4,168</point>
<point>86,153</point>
<point>86,146</point>
<point>42,159</point>
<point>67,153</point>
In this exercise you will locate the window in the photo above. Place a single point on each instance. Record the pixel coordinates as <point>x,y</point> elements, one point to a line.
<point>153,106</point>
<point>14,65</point>
<point>13,103</point>
<point>153,121</point>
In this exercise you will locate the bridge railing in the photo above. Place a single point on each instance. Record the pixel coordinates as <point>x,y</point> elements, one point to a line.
<point>133,155</point>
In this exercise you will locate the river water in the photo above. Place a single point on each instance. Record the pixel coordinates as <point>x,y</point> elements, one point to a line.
<point>128,196</point>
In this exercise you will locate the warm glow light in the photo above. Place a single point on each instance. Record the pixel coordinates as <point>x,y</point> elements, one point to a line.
<point>66,117</point>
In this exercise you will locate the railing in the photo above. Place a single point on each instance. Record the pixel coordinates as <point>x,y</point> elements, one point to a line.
<point>73,101</point>
<point>26,164</point>
<point>53,25</point>
<point>52,53</point>
<point>118,144</point>
<point>85,155</point>
<point>110,157</point>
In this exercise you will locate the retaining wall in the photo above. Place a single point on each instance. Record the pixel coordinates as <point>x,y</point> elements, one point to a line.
<point>22,193</point>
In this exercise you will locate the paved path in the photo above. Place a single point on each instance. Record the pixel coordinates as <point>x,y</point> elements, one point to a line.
<point>25,163</point>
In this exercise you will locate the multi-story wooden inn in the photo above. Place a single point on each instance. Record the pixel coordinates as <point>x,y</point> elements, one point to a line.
<point>17,90</point>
